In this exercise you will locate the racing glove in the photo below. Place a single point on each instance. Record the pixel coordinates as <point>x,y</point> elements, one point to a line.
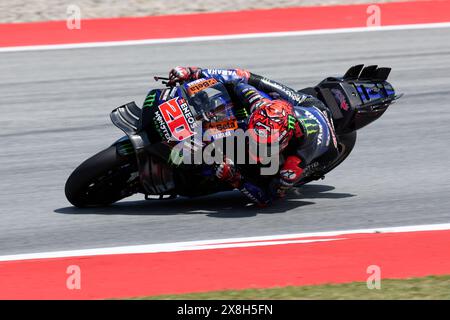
<point>181,74</point>
<point>228,172</point>
<point>290,174</point>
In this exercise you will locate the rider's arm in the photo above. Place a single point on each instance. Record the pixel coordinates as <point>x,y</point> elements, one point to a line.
<point>228,76</point>
<point>179,74</point>
<point>250,84</point>
<point>239,76</point>
<point>224,75</point>
<point>270,86</point>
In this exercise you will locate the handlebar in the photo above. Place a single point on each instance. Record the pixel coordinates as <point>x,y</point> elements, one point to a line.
<point>164,81</point>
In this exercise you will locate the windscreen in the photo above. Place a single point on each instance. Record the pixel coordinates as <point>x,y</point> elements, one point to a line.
<point>211,99</point>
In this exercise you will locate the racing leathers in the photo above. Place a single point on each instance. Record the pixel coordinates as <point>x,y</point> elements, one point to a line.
<point>311,137</point>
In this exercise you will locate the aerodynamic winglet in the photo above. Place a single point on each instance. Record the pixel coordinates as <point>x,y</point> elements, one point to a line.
<point>368,72</point>
<point>353,72</point>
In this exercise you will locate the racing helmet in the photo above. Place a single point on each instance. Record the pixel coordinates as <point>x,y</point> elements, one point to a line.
<point>272,124</point>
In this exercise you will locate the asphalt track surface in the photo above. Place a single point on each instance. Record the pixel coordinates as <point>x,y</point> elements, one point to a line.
<point>55,113</point>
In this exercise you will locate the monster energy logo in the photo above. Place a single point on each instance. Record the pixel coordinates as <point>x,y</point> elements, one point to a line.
<point>125,148</point>
<point>241,113</point>
<point>150,100</point>
<point>291,122</point>
<point>310,126</point>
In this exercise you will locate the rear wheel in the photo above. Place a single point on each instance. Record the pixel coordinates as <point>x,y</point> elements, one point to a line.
<point>101,180</point>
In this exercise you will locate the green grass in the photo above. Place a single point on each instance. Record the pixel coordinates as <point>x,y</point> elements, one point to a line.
<point>433,287</point>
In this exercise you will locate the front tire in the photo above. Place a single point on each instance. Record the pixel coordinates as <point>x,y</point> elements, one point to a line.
<point>101,180</point>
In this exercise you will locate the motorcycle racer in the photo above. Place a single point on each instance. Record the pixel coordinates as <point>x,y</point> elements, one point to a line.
<point>300,124</point>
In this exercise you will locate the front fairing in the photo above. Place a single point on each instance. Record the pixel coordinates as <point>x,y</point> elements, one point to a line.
<point>176,114</point>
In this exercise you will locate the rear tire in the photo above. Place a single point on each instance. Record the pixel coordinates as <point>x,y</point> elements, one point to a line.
<point>101,180</point>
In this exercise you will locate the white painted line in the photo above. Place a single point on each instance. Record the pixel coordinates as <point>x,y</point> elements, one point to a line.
<point>223,243</point>
<point>224,37</point>
<point>156,248</point>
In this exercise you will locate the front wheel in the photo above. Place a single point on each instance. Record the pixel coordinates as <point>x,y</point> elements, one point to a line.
<point>101,180</point>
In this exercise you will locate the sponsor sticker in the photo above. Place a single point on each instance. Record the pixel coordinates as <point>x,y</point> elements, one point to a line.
<point>175,120</point>
<point>199,85</point>
<point>221,129</point>
<point>340,98</point>
<point>222,125</point>
<point>331,129</point>
<point>150,100</point>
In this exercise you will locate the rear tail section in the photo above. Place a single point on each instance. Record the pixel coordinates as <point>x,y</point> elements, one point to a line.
<point>358,98</point>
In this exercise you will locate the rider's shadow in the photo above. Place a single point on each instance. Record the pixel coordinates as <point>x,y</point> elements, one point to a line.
<point>222,205</point>
<point>318,191</point>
